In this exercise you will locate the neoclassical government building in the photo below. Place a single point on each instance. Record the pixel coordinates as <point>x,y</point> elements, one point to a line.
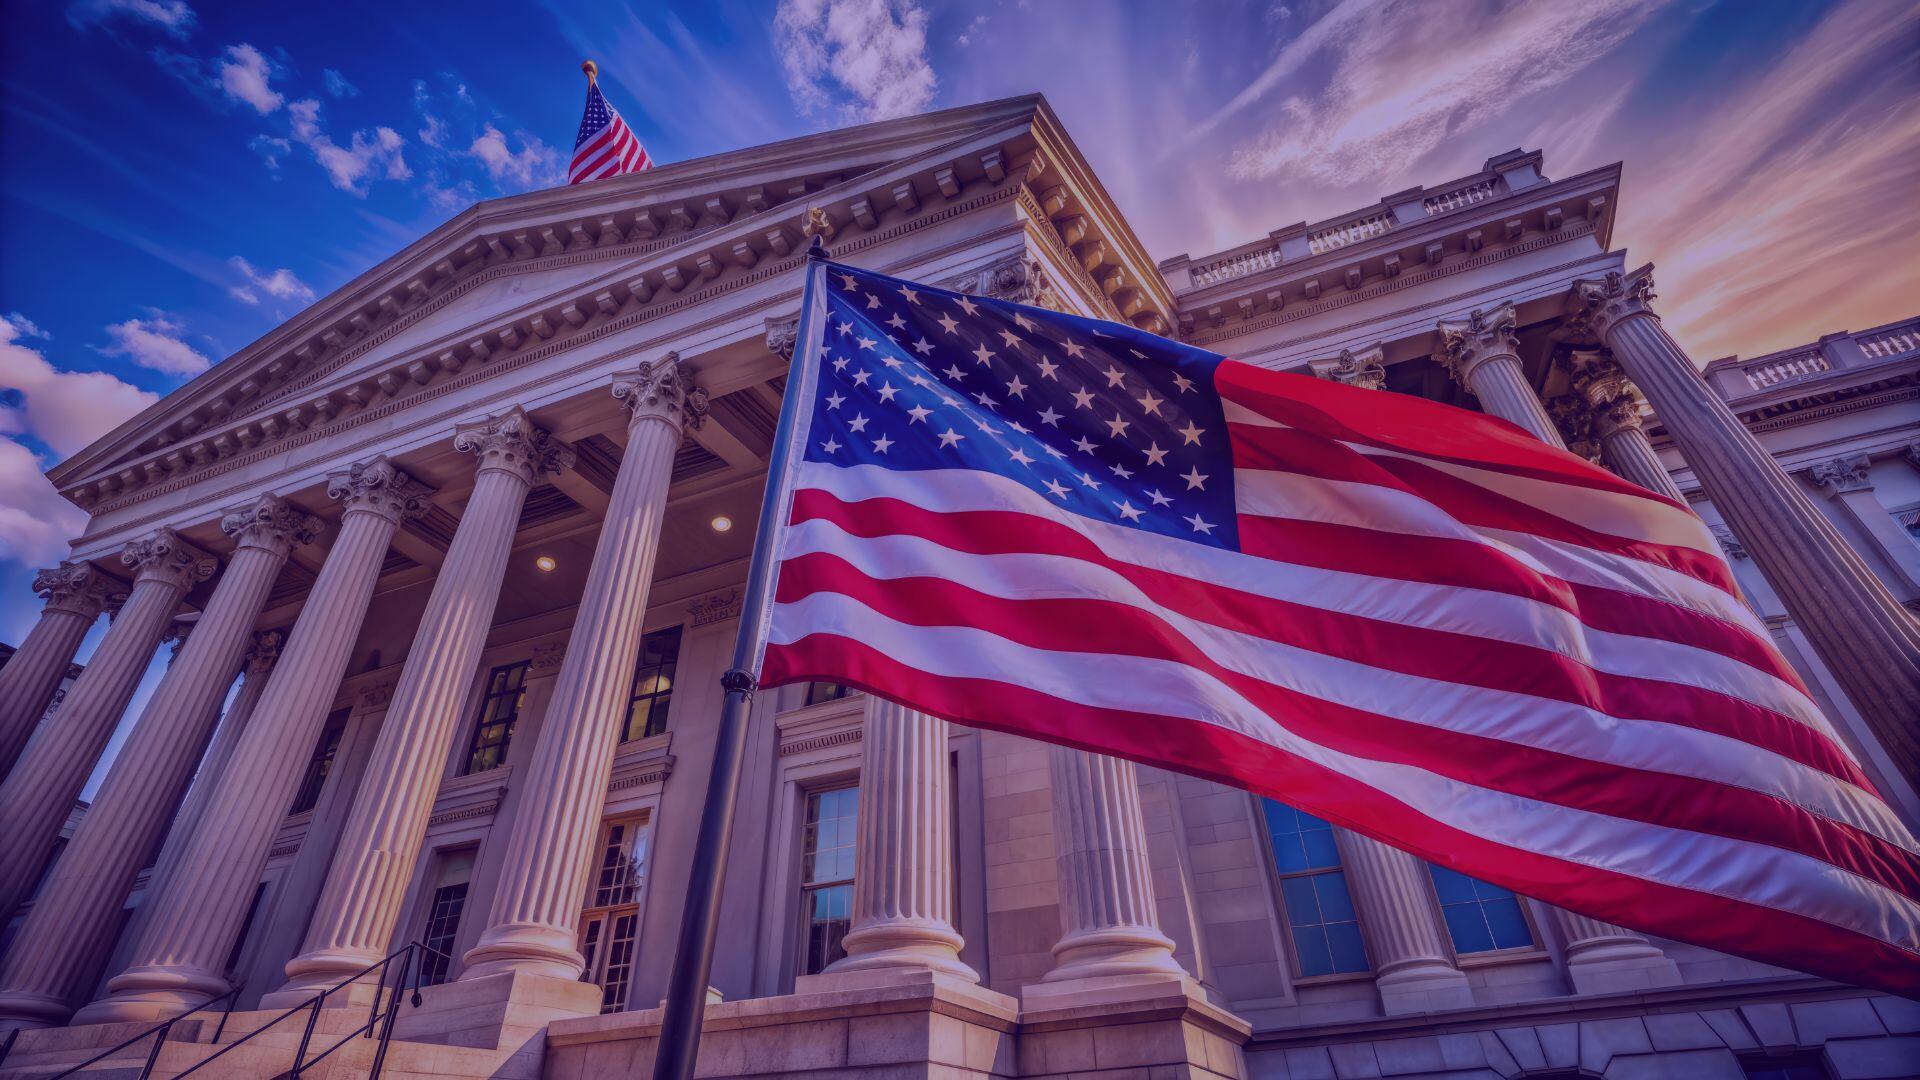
<point>451,563</point>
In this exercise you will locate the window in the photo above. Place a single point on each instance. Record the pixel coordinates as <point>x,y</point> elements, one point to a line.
<point>493,731</point>
<point>1313,887</point>
<point>1480,917</point>
<point>826,875</point>
<point>451,878</point>
<point>321,763</point>
<point>828,691</point>
<point>652,684</point>
<point>611,923</point>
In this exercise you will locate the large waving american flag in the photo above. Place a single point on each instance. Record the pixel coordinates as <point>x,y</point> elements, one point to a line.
<point>605,146</point>
<point>1413,620</point>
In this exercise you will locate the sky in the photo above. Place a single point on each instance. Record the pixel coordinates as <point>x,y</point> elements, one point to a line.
<point>177,177</point>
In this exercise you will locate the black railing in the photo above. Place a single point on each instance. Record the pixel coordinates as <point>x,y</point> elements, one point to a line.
<point>380,1016</point>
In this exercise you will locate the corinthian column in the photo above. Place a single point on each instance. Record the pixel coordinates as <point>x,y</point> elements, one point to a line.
<point>129,815</point>
<point>353,924</point>
<point>1481,352</point>
<point>1364,368</point>
<point>1613,403</point>
<point>38,793</point>
<point>1107,912</point>
<point>1868,641</point>
<point>198,906</point>
<point>1849,483</point>
<point>903,858</point>
<point>75,593</point>
<point>543,875</point>
<point>1412,966</point>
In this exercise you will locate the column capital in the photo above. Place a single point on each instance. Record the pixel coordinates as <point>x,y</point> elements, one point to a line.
<point>660,390</point>
<point>379,487</point>
<point>75,587</point>
<point>1729,543</point>
<point>175,638</point>
<point>1843,474</point>
<point>1578,423</point>
<point>510,442</point>
<point>782,332</point>
<point>1364,367</point>
<point>270,523</point>
<point>1599,304</point>
<point>163,556</point>
<point>265,651</point>
<point>1484,333</point>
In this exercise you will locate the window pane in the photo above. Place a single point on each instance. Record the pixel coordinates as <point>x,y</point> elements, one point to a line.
<point>1480,916</point>
<point>1310,944</point>
<point>1335,904</point>
<point>826,875</point>
<point>653,675</point>
<point>1313,889</point>
<point>443,923</point>
<point>493,728</point>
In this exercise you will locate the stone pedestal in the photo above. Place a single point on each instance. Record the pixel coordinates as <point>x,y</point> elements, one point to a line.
<point>1128,1025</point>
<point>75,594</point>
<point>366,886</point>
<point>198,909</point>
<point>39,792</point>
<point>507,1012</point>
<point>1412,967</point>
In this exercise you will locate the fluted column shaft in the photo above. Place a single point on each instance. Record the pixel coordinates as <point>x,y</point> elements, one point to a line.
<point>1106,885</point>
<point>1629,452</point>
<point>40,791</point>
<point>1480,350</point>
<point>200,904</point>
<point>75,593</point>
<point>903,857</point>
<point>130,814</point>
<point>1867,640</point>
<point>226,738</point>
<point>1412,966</point>
<point>532,924</point>
<point>366,885</point>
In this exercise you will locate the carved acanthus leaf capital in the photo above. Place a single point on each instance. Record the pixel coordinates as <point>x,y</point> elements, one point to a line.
<point>270,522</point>
<point>380,487</point>
<point>782,333</point>
<point>1018,279</point>
<point>1597,305</point>
<point>1364,367</point>
<point>1575,419</point>
<point>164,556</point>
<point>75,587</point>
<point>1483,334</point>
<point>1843,474</point>
<point>512,443</point>
<point>265,651</point>
<point>660,390</point>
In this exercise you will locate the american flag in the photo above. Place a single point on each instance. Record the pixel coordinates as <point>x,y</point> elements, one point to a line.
<point>1410,619</point>
<point>606,146</point>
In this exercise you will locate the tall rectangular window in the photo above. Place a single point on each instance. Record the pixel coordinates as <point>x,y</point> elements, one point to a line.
<point>1313,888</point>
<point>826,875</point>
<point>321,763</point>
<point>652,684</point>
<point>828,691</point>
<point>499,709</point>
<point>1480,917</point>
<point>610,925</point>
<point>452,876</point>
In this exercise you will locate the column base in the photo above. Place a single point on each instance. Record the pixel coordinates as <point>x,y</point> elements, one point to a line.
<point>1128,1025</point>
<point>902,946</point>
<point>150,995</point>
<point>1621,968</point>
<point>525,948</point>
<point>22,1010</point>
<point>311,973</point>
<point>1114,950</point>
<point>1423,987</point>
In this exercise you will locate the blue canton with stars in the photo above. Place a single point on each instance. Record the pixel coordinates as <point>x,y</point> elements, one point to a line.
<point>1105,420</point>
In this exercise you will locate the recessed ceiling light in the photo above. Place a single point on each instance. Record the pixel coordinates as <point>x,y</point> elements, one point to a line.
<point>545,564</point>
<point>721,523</point>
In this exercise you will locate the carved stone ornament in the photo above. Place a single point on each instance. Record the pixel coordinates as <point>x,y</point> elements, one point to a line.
<point>1598,304</point>
<point>782,333</point>
<point>1575,419</point>
<point>270,522</point>
<point>715,607</point>
<point>75,587</point>
<point>1482,334</point>
<point>660,390</point>
<point>265,651</point>
<point>164,556</point>
<point>375,696</point>
<point>548,658</point>
<point>510,442</point>
<point>379,486</point>
<point>817,223</point>
<point>1843,474</point>
<point>1729,543</point>
<point>176,639</point>
<point>1018,279</point>
<point>1364,367</point>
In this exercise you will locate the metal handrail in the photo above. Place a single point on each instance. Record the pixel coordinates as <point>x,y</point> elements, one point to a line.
<point>383,1009</point>
<point>161,1029</point>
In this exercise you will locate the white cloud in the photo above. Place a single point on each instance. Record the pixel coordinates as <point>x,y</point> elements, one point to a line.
<point>368,155</point>
<point>280,284</point>
<point>35,522</point>
<point>1406,76</point>
<point>272,150</point>
<point>173,17</point>
<point>966,36</point>
<point>158,343</point>
<point>535,165</point>
<point>857,59</point>
<point>19,326</point>
<point>337,84</point>
<point>245,75</point>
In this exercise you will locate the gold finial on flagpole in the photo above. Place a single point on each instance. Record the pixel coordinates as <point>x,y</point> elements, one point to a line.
<point>592,69</point>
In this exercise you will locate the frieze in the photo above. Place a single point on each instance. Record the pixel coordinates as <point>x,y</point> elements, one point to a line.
<point>464,813</point>
<point>652,773</point>
<point>715,607</point>
<point>821,742</point>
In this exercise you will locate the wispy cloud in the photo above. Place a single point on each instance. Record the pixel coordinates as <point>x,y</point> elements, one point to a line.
<point>368,155</point>
<point>157,342</point>
<point>856,60</point>
<point>246,75</point>
<point>535,164</point>
<point>280,284</point>
<point>172,17</point>
<point>337,84</point>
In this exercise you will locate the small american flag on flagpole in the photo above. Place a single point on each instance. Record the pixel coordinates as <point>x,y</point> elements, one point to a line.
<point>605,146</point>
<point>1411,619</point>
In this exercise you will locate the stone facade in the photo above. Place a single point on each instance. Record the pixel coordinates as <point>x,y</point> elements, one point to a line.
<point>472,535</point>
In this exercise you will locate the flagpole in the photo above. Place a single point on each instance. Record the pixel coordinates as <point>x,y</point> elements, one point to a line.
<point>679,1044</point>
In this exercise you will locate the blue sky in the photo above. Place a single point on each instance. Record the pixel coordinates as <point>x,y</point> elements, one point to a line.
<point>178,176</point>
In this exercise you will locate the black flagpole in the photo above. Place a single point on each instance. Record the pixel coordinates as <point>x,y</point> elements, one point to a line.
<point>679,1045</point>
